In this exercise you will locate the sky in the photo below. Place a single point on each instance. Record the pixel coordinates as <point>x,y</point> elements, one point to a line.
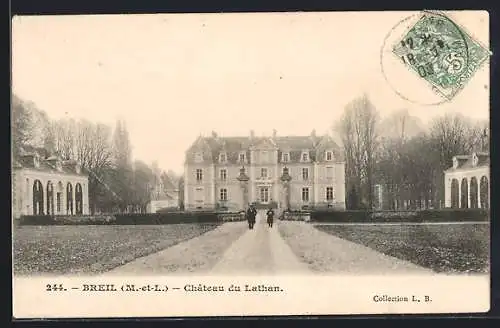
<point>173,77</point>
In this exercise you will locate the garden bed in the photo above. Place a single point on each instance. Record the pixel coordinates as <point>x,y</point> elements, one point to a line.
<point>88,249</point>
<point>450,248</point>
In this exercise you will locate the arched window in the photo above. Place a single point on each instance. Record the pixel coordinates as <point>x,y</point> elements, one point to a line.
<point>69,199</point>
<point>50,198</point>
<point>59,197</point>
<point>454,193</point>
<point>484,191</point>
<point>78,199</point>
<point>473,192</point>
<point>37,198</point>
<point>464,197</point>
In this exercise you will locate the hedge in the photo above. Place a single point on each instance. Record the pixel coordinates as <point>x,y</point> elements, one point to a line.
<point>123,219</point>
<point>438,215</point>
<point>66,220</point>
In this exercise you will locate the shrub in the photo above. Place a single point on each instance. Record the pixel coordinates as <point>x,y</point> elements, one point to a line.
<point>122,219</point>
<point>455,215</point>
<point>438,215</point>
<point>66,219</point>
<point>167,218</point>
<point>340,216</point>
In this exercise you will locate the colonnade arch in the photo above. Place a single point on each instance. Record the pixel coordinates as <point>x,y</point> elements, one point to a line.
<point>469,193</point>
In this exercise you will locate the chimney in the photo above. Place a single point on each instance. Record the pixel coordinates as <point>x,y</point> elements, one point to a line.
<point>214,134</point>
<point>252,134</point>
<point>72,165</point>
<point>313,137</point>
<point>274,133</point>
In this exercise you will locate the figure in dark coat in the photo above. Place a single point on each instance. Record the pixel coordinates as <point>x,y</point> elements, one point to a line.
<point>270,217</point>
<point>251,214</point>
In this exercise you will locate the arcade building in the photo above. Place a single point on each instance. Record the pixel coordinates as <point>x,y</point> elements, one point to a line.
<point>467,181</point>
<point>43,184</point>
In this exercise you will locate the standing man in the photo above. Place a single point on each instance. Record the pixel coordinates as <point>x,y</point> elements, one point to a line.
<point>270,217</point>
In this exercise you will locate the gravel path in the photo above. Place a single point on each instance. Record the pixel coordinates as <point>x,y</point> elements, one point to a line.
<point>260,251</point>
<point>325,253</point>
<point>197,255</point>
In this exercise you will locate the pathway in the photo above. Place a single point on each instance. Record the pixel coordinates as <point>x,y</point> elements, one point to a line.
<point>260,251</point>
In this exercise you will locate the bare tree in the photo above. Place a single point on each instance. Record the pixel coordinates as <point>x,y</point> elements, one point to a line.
<point>359,135</point>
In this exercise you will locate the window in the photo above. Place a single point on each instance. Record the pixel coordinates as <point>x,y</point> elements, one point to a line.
<point>305,157</point>
<point>329,156</point>
<point>242,157</point>
<point>222,158</point>
<point>263,172</point>
<point>199,174</point>
<point>223,194</point>
<point>58,202</point>
<point>223,174</point>
<point>198,157</point>
<point>69,198</point>
<point>286,157</point>
<point>264,194</point>
<point>305,173</point>
<point>305,194</point>
<point>329,193</point>
<point>329,172</point>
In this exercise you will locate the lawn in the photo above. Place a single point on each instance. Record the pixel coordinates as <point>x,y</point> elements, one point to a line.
<point>447,248</point>
<point>92,249</point>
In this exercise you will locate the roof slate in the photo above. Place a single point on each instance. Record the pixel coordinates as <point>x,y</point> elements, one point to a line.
<point>466,161</point>
<point>232,146</point>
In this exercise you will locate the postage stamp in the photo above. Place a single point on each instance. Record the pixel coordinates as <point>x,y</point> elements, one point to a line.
<point>441,52</point>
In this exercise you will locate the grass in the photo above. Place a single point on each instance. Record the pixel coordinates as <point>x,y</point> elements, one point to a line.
<point>92,249</point>
<point>459,248</point>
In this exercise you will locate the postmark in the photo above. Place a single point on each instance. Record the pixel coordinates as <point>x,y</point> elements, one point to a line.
<point>440,52</point>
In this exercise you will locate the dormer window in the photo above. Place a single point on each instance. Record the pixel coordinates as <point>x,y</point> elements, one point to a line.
<point>455,162</point>
<point>36,161</point>
<point>474,159</point>
<point>329,156</point>
<point>305,157</point>
<point>78,169</point>
<point>242,157</point>
<point>59,166</point>
<point>198,157</point>
<point>285,157</point>
<point>222,157</point>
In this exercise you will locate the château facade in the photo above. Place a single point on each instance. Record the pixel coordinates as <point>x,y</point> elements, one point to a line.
<point>293,172</point>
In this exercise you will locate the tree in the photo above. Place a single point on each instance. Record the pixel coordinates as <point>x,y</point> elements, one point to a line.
<point>359,135</point>
<point>21,125</point>
<point>450,134</point>
<point>123,175</point>
<point>142,185</point>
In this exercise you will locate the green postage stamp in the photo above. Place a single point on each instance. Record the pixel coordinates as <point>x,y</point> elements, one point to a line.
<point>441,52</point>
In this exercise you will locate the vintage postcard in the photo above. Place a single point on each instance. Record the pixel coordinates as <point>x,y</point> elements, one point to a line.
<point>250,164</point>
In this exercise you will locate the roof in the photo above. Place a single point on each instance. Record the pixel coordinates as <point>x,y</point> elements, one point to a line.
<point>169,184</point>
<point>46,162</point>
<point>232,146</point>
<point>466,162</point>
